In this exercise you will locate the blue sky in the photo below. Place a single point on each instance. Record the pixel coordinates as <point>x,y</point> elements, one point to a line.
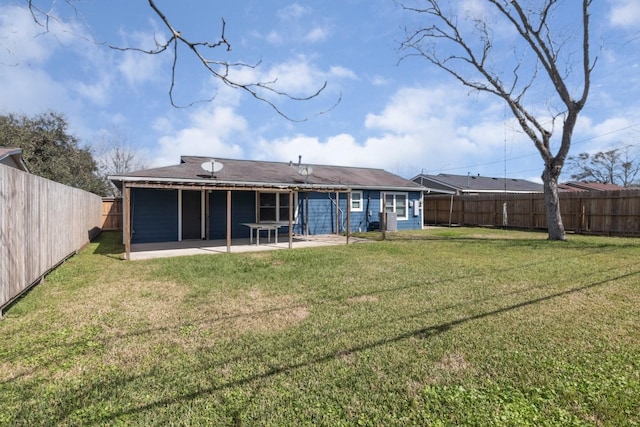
<point>407,117</point>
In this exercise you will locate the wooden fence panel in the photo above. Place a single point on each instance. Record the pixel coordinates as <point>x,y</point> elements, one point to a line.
<point>41,224</point>
<point>603,212</point>
<point>112,214</point>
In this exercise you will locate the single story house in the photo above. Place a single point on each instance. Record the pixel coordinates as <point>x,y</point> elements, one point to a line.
<point>11,156</point>
<point>204,198</point>
<point>459,185</point>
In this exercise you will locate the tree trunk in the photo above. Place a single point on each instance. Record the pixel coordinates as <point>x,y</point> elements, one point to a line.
<point>552,203</point>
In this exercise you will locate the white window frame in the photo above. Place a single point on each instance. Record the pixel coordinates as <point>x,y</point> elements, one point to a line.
<point>392,208</point>
<point>277,207</point>
<point>357,209</point>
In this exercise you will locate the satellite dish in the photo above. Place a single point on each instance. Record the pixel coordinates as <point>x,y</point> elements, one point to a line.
<point>212,166</point>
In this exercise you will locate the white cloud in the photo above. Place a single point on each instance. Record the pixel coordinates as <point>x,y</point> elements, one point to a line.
<point>312,150</point>
<point>612,132</point>
<point>342,72</point>
<point>297,76</point>
<point>293,11</point>
<point>415,110</point>
<point>442,128</point>
<point>380,81</point>
<point>31,91</point>
<point>212,131</point>
<point>139,67</point>
<point>420,128</point>
<point>32,61</point>
<point>24,41</point>
<point>274,37</point>
<point>625,13</point>
<point>98,92</point>
<point>317,34</point>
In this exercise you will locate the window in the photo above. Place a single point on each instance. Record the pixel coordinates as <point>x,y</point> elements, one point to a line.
<point>273,207</point>
<point>268,209</point>
<point>398,203</point>
<point>356,201</point>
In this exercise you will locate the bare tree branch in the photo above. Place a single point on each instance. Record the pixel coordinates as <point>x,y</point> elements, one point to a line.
<point>219,68</point>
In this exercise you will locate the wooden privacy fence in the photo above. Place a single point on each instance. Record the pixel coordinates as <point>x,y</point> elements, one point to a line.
<point>603,212</point>
<point>42,223</point>
<point>112,214</point>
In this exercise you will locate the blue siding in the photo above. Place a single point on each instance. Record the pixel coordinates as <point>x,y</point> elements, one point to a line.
<point>154,215</point>
<point>243,209</point>
<point>415,221</point>
<point>322,213</point>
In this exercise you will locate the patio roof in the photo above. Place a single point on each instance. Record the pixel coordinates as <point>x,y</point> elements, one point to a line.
<point>252,174</point>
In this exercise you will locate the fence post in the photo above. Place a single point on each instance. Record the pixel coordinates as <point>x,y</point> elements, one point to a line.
<point>505,221</point>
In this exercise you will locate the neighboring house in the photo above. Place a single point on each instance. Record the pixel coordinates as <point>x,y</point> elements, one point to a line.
<point>200,198</point>
<point>13,157</point>
<point>589,186</point>
<point>474,184</point>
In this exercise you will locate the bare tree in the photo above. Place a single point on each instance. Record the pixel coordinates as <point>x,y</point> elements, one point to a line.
<point>115,155</point>
<point>617,166</point>
<point>466,48</point>
<point>209,53</point>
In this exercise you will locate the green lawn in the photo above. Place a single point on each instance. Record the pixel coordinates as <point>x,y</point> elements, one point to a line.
<point>438,327</point>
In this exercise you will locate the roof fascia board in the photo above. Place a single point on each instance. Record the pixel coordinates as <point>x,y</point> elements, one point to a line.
<point>439,191</point>
<point>271,185</point>
<point>502,191</point>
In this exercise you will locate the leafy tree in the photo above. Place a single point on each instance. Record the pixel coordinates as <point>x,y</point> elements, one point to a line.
<point>531,55</point>
<point>618,166</point>
<point>50,151</point>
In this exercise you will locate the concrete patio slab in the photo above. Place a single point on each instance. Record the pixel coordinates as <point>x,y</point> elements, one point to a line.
<point>141,251</point>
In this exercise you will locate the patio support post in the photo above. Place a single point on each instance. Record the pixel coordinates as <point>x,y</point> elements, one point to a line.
<point>179,214</point>
<point>306,215</point>
<point>207,215</point>
<point>349,214</point>
<point>203,232</point>
<point>228,221</point>
<point>127,222</point>
<point>337,213</point>
<point>290,219</point>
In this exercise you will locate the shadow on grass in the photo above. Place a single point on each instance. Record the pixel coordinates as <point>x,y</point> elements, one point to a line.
<point>89,390</point>
<point>109,244</point>
<point>509,239</point>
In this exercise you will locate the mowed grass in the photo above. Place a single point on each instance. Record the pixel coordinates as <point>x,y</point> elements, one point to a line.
<point>438,327</point>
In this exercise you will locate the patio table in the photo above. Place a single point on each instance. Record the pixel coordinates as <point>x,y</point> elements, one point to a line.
<point>259,226</point>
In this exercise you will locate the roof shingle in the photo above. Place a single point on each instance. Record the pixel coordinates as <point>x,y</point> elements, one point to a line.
<point>271,174</point>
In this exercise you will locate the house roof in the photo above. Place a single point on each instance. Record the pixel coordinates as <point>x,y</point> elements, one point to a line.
<point>451,184</point>
<point>262,174</point>
<point>589,186</point>
<point>12,156</point>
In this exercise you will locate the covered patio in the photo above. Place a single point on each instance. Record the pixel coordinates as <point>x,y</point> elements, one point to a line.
<point>204,205</point>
